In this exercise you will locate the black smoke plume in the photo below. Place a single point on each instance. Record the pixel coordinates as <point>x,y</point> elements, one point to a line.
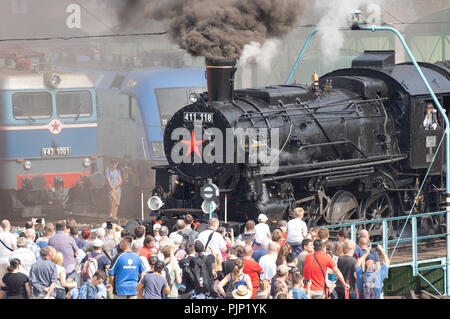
<point>221,28</point>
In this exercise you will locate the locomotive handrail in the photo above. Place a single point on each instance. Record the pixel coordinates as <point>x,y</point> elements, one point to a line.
<point>275,112</point>
<point>447,139</point>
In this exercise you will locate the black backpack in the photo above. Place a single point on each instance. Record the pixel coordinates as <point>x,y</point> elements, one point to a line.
<point>188,279</point>
<point>202,276</point>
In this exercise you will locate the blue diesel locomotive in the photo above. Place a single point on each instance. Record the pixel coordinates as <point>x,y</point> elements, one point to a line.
<point>48,140</point>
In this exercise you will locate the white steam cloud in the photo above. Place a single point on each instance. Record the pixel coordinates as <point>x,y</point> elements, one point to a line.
<point>336,19</point>
<point>260,55</point>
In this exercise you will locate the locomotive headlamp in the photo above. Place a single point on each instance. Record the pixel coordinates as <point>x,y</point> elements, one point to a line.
<point>155,203</point>
<point>193,97</point>
<point>27,165</point>
<point>208,207</point>
<point>52,80</point>
<point>87,162</point>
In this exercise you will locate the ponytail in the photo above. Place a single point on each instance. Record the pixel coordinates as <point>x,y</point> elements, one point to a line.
<point>13,264</point>
<point>238,265</point>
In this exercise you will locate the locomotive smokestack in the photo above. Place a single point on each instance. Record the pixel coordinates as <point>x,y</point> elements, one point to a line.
<point>220,78</point>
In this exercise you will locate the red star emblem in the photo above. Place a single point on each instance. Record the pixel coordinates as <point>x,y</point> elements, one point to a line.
<point>55,126</point>
<point>193,145</point>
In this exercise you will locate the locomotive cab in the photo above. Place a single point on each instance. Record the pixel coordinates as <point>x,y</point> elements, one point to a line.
<point>426,129</point>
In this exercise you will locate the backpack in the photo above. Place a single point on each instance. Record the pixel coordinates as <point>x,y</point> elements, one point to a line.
<point>369,285</point>
<point>90,266</point>
<point>187,239</point>
<point>202,277</point>
<point>188,279</point>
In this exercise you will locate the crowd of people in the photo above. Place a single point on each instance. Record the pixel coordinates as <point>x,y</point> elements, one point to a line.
<point>110,262</point>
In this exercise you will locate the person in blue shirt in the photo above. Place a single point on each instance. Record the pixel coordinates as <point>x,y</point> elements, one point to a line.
<point>298,291</point>
<point>90,289</point>
<point>126,271</point>
<point>371,271</point>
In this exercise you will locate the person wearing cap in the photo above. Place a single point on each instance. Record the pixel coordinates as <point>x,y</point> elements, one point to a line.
<point>280,276</point>
<point>296,231</point>
<point>262,232</point>
<point>154,284</point>
<point>26,256</point>
<point>102,260</point>
<point>315,268</point>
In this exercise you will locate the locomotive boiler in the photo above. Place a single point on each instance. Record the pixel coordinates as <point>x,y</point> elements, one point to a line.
<point>351,145</point>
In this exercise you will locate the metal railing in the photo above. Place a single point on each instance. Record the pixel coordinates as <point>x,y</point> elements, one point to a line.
<point>414,240</point>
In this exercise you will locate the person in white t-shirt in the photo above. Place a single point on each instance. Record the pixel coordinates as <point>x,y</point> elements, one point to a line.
<point>8,243</point>
<point>217,242</point>
<point>268,262</point>
<point>26,256</point>
<point>296,231</point>
<point>262,232</point>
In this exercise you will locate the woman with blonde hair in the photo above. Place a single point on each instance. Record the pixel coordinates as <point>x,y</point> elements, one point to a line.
<point>234,280</point>
<point>62,283</point>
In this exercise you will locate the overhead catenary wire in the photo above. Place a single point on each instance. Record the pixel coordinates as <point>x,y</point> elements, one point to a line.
<point>165,32</point>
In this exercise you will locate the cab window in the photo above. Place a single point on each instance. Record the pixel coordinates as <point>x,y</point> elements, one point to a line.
<point>32,105</point>
<point>73,104</point>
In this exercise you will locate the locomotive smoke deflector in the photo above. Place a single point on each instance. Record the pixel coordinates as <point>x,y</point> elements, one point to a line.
<point>220,78</point>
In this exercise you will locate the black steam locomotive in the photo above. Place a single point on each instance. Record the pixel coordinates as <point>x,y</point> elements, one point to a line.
<point>352,145</point>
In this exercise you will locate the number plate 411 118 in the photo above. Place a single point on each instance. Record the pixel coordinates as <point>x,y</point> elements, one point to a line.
<point>198,117</point>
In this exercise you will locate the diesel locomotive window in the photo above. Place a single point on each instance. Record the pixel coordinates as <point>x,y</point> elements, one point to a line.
<point>73,104</point>
<point>36,105</point>
<point>171,100</point>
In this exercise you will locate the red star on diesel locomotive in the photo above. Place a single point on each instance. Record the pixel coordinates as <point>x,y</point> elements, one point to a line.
<point>55,126</point>
<point>193,145</point>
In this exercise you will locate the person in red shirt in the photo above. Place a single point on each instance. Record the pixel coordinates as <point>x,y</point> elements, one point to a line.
<point>252,268</point>
<point>315,270</point>
<point>149,248</point>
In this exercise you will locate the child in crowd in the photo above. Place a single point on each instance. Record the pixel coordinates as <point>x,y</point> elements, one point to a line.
<point>298,291</point>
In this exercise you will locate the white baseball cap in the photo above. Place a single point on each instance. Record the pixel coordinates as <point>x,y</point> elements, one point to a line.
<point>262,218</point>
<point>97,243</point>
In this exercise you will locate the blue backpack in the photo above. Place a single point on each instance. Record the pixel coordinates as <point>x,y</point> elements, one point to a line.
<point>370,283</point>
